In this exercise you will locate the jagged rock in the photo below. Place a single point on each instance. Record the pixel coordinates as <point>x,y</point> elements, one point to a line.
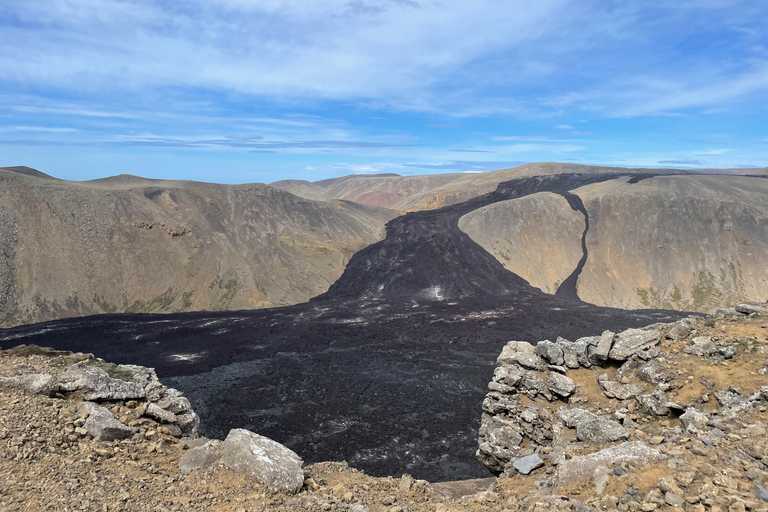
<point>550,352</point>
<point>725,312</point>
<point>532,387</point>
<point>573,416</point>
<point>527,464</point>
<point>692,418</point>
<point>729,351</point>
<point>155,412</point>
<point>679,332</point>
<point>561,385</point>
<point>614,389</point>
<point>173,401</point>
<point>96,384</point>
<point>101,424</point>
<point>508,375</point>
<point>633,341</point>
<point>581,349</point>
<point>500,442</point>
<point>202,456</point>
<point>674,500</point>
<point>32,384</point>
<point>581,468</point>
<point>728,397</point>
<point>267,461</point>
<point>522,353</point>
<point>651,372</point>
<point>654,403</point>
<point>570,360</point>
<point>604,346</point>
<point>154,391</point>
<point>601,431</point>
<point>702,346</point>
<point>188,422</point>
<point>748,308</point>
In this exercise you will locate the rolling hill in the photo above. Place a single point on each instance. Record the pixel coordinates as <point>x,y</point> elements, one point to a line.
<point>130,244</point>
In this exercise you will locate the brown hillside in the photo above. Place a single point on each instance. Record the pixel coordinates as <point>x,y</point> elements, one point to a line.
<point>677,242</point>
<point>132,244</point>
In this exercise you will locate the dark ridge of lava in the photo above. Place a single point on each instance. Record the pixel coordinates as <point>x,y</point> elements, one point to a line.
<point>387,370</point>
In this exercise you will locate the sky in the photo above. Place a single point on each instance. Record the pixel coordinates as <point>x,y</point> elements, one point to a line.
<point>237,91</point>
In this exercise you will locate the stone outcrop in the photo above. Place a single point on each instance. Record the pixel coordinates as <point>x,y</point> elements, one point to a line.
<point>565,411</point>
<point>530,381</point>
<point>95,380</point>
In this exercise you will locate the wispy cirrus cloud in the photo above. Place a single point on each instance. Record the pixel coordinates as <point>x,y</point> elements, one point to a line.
<point>374,81</point>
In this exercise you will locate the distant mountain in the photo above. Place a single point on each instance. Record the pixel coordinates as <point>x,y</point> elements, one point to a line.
<point>426,192</point>
<point>132,244</point>
<point>673,242</point>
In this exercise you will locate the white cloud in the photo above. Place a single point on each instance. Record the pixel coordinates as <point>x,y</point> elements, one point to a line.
<point>564,127</point>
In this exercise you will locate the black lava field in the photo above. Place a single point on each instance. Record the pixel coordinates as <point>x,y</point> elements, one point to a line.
<point>387,370</point>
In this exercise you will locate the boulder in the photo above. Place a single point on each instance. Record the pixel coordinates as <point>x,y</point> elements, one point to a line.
<point>202,456</point>
<point>632,341</point>
<point>573,416</point>
<point>614,389</point>
<point>159,414</point>
<point>570,359</point>
<point>702,346</point>
<point>561,385</point>
<point>188,422</point>
<point>101,424</point>
<point>508,375</point>
<point>600,431</point>
<point>96,384</point>
<point>527,464</point>
<point>581,349</point>
<point>267,461</point>
<point>31,384</point>
<point>172,400</point>
<point>521,353</point>
<point>654,403</point>
<point>582,468</point>
<point>679,332</point>
<point>604,346</point>
<point>550,352</point>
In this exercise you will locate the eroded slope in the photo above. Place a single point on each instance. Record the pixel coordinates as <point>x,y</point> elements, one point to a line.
<point>537,237</point>
<point>136,245</point>
<point>677,242</point>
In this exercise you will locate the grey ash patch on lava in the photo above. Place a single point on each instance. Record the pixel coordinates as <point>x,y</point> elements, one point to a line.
<point>387,370</point>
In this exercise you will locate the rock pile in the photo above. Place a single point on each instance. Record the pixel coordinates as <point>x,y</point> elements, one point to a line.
<point>680,405</point>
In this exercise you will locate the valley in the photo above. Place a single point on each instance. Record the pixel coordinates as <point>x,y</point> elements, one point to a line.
<point>386,370</point>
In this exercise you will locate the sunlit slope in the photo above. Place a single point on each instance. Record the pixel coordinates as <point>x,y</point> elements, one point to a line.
<point>680,242</point>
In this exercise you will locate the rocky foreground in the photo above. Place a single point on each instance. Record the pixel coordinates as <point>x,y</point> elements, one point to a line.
<point>670,416</point>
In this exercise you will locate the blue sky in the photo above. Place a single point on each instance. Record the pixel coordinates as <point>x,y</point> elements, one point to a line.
<point>238,91</point>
